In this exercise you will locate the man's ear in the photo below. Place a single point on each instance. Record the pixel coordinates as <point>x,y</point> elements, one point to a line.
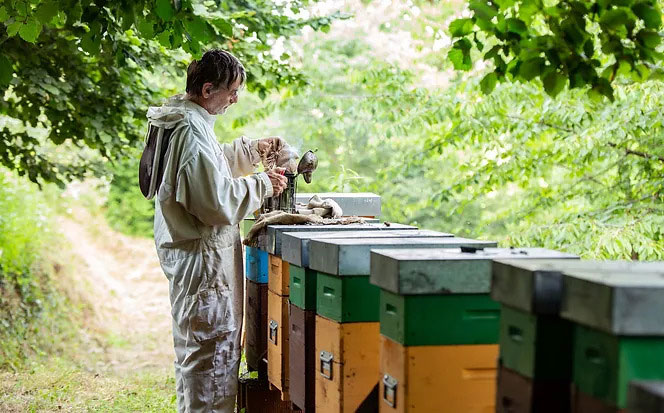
<point>207,90</point>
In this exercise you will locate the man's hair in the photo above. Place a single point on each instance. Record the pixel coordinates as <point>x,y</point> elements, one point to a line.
<point>217,67</point>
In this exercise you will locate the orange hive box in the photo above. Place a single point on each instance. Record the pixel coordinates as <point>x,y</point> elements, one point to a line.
<point>441,379</point>
<point>346,365</point>
<point>278,275</point>
<point>277,342</point>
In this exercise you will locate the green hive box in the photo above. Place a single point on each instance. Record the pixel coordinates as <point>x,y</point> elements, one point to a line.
<point>437,296</point>
<point>343,291</point>
<point>346,299</point>
<point>605,364</point>
<point>439,319</point>
<point>302,287</point>
<point>295,250</point>
<point>536,346</point>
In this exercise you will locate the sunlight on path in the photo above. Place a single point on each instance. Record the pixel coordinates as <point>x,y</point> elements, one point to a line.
<point>124,361</point>
<point>127,290</point>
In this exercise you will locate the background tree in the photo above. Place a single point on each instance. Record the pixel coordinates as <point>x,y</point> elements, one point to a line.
<point>561,42</point>
<point>79,74</point>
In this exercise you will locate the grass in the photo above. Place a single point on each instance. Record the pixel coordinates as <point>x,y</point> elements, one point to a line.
<point>59,384</point>
<point>54,354</point>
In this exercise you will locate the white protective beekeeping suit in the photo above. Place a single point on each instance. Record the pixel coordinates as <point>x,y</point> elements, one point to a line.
<point>203,196</point>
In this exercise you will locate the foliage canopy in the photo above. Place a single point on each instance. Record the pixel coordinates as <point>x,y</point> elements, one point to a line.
<point>80,73</point>
<point>570,173</point>
<point>580,43</point>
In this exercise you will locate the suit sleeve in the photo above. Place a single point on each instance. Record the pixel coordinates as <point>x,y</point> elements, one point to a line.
<point>213,197</point>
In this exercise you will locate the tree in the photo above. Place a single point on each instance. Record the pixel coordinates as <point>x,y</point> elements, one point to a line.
<point>580,43</point>
<point>516,166</point>
<point>80,74</point>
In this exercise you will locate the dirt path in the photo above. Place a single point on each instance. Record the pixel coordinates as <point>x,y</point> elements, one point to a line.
<point>127,290</point>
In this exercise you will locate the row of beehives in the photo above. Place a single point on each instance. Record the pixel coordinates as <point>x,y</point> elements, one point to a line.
<point>368,317</point>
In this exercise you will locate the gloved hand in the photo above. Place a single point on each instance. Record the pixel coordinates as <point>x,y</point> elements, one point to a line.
<point>270,145</point>
<point>275,152</point>
<point>278,180</point>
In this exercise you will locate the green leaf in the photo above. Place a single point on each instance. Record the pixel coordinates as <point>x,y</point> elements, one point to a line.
<point>457,57</point>
<point>50,88</point>
<point>640,73</point>
<point>614,18</point>
<point>3,14</point>
<point>128,17</point>
<point>225,27</point>
<point>47,11</point>
<point>573,32</point>
<point>528,9</point>
<point>6,71</point>
<point>603,87</point>
<point>197,28</point>
<point>488,83</point>
<point>588,48</point>
<point>649,38</point>
<point>30,31</point>
<point>554,83</point>
<point>531,68</point>
<point>165,10</point>
<point>652,17</point>
<point>164,39</point>
<point>461,27</point>
<point>74,15</point>
<point>482,10</point>
<point>91,43</point>
<point>13,28</point>
<point>146,28</point>
<point>505,4</point>
<point>463,44</point>
<point>516,26</point>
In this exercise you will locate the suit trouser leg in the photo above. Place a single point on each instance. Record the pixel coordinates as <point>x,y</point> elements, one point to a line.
<point>179,386</point>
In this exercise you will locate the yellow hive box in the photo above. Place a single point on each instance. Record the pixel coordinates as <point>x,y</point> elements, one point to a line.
<point>441,379</point>
<point>346,365</point>
<point>278,275</point>
<point>277,342</point>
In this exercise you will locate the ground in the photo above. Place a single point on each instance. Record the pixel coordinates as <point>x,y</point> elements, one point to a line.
<point>125,360</point>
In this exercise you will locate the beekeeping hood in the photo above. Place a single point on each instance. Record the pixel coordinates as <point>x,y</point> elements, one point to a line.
<point>163,121</point>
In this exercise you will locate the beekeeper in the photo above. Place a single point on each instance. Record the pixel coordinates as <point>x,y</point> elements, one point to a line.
<point>203,190</point>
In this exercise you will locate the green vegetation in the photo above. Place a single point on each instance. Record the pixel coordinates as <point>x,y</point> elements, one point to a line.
<point>395,100</point>
<point>60,385</point>
<point>34,314</point>
<point>126,208</point>
<point>80,74</point>
<point>571,173</point>
<point>586,43</point>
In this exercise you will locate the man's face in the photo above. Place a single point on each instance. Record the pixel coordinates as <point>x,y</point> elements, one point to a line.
<point>218,100</point>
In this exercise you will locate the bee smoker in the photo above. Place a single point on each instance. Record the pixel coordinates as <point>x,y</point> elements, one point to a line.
<point>286,200</point>
<point>287,197</point>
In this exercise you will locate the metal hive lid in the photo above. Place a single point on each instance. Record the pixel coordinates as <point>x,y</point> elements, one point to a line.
<point>295,245</point>
<point>352,256</point>
<point>425,272</point>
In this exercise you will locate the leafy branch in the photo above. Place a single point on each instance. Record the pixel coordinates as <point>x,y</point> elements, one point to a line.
<point>637,153</point>
<point>557,44</point>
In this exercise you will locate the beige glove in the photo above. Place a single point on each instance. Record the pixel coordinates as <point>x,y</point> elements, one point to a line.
<point>324,207</point>
<point>275,152</point>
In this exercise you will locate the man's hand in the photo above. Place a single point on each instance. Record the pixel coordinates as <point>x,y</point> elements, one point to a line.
<point>278,180</point>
